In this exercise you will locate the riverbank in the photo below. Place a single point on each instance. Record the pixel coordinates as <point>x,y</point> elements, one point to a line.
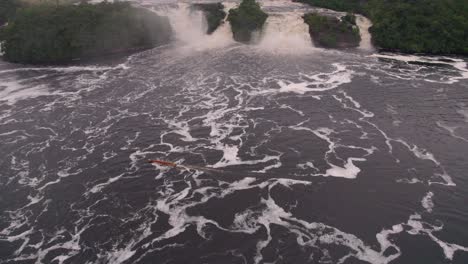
<point>246,20</point>
<point>430,27</point>
<point>47,34</point>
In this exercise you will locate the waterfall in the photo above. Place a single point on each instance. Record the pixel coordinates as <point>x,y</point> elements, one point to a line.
<point>286,33</point>
<point>283,32</point>
<point>364,24</point>
<point>190,27</point>
<point>228,6</point>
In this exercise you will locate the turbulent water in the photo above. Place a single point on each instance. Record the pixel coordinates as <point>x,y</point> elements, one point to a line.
<point>287,154</point>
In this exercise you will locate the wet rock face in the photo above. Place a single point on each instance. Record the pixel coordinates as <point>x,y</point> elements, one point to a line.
<point>214,14</point>
<point>331,32</point>
<point>245,20</point>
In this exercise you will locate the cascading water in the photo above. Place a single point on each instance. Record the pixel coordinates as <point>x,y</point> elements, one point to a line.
<point>228,6</point>
<point>223,35</point>
<point>283,32</point>
<point>286,33</point>
<point>364,24</point>
<point>190,27</point>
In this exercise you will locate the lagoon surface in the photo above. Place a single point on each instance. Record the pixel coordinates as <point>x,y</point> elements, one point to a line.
<point>287,153</point>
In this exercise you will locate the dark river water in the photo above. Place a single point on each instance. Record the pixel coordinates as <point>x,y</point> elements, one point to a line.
<point>313,156</point>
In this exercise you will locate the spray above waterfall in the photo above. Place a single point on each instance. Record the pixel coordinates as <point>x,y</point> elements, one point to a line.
<point>284,31</point>
<point>190,26</point>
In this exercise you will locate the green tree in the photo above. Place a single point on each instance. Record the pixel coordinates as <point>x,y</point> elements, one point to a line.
<point>425,26</point>
<point>7,10</point>
<point>47,33</point>
<point>330,32</point>
<point>214,13</point>
<point>246,19</point>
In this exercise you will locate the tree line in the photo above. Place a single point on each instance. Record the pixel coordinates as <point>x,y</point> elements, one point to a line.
<point>50,33</point>
<point>413,26</point>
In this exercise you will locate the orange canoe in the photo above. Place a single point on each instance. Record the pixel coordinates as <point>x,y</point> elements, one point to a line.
<point>164,163</point>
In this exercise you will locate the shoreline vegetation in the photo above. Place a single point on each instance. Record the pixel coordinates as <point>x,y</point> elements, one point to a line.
<point>331,32</point>
<point>246,20</point>
<point>214,14</point>
<point>51,34</point>
<point>7,10</point>
<point>60,31</point>
<point>411,26</point>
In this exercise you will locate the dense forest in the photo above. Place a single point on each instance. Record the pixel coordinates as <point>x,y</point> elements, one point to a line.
<point>7,10</point>
<point>246,19</point>
<point>422,26</point>
<point>331,32</point>
<point>51,34</point>
<point>44,33</point>
<point>214,13</point>
<point>356,6</point>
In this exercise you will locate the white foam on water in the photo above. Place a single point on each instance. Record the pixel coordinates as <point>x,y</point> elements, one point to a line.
<point>356,106</point>
<point>306,165</point>
<point>230,158</point>
<point>313,235</point>
<point>222,115</point>
<point>451,129</point>
<point>291,182</point>
<point>423,154</point>
<point>409,181</point>
<point>418,152</point>
<point>98,187</point>
<point>223,118</point>
<point>22,236</point>
<point>318,82</point>
<point>427,202</point>
<point>14,91</point>
<point>459,64</point>
<point>182,128</point>
<point>385,242</point>
<point>366,115</point>
<point>120,255</point>
<point>71,247</point>
<point>464,113</point>
<point>175,205</point>
<point>419,227</point>
<point>33,200</point>
<point>70,69</point>
<point>99,1</point>
<point>350,171</point>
